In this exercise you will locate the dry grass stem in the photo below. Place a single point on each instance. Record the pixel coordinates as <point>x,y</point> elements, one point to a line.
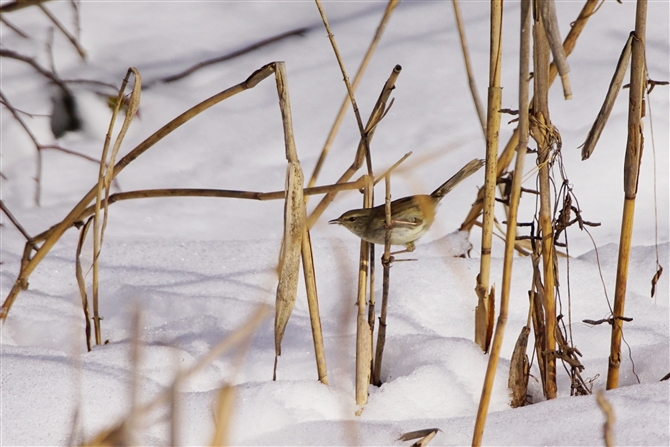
<point>313,305</point>
<point>634,147</point>
<point>376,115</point>
<point>608,411</point>
<point>350,90</point>
<point>357,79</point>
<point>50,237</point>
<point>13,220</point>
<point>363,334</point>
<point>468,67</point>
<point>615,87</point>
<point>81,282</point>
<point>294,221</point>
<point>392,168</point>
<point>508,152</point>
<point>19,4</point>
<point>519,370</point>
<point>386,262</point>
<point>550,22</point>
<point>541,131</point>
<point>105,177</point>
<point>483,313</point>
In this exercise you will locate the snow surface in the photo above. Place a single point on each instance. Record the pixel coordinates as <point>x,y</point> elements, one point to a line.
<point>198,268</point>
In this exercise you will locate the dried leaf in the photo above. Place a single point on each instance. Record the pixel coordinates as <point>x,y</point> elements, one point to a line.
<point>518,370</point>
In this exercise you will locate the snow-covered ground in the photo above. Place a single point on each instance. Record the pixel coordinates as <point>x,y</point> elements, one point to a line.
<point>198,268</point>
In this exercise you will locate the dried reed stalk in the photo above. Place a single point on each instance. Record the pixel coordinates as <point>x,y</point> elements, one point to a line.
<point>50,237</point>
<point>105,177</point>
<point>541,131</point>
<point>357,79</point>
<point>375,117</point>
<point>363,333</point>
<point>550,21</point>
<point>524,56</point>
<point>81,282</point>
<point>634,147</point>
<point>506,156</point>
<point>484,310</point>
<point>294,221</point>
<point>386,262</point>
<point>612,92</point>
<point>468,66</point>
<point>350,90</point>
<point>313,305</point>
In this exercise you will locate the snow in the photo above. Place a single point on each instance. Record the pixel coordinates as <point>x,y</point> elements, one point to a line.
<point>198,268</point>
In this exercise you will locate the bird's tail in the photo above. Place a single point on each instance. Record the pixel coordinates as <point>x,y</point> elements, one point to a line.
<point>465,172</point>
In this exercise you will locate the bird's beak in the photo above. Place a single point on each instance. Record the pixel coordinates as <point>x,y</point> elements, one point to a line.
<point>334,221</point>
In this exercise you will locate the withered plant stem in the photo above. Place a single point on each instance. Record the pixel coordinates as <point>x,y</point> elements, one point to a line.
<point>363,335</point>
<point>484,311</point>
<point>357,79</point>
<point>508,153</point>
<point>634,148</point>
<point>468,66</point>
<point>350,90</point>
<point>386,263</point>
<point>542,131</point>
<point>510,241</point>
<point>72,39</point>
<point>28,264</point>
<point>376,115</point>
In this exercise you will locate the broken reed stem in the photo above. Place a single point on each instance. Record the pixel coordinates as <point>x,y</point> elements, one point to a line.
<point>376,115</point>
<point>541,134</point>
<point>29,264</point>
<point>386,263</point>
<point>634,148</point>
<point>105,181</point>
<point>350,90</point>
<point>357,79</point>
<point>483,311</point>
<point>363,335</point>
<point>294,221</point>
<point>550,22</point>
<point>468,67</point>
<point>81,282</point>
<point>510,241</point>
<point>508,153</point>
<point>313,305</point>
<point>612,92</point>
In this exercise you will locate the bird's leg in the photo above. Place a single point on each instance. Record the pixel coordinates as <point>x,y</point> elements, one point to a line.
<point>410,248</point>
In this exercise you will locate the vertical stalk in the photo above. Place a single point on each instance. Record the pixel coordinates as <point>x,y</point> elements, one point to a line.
<point>363,335</point>
<point>386,261</point>
<point>313,305</point>
<point>634,146</point>
<point>541,135</point>
<point>484,311</point>
<point>511,226</point>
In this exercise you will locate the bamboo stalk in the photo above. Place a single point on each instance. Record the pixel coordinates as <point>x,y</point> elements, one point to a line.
<point>540,132</point>
<point>510,240</point>
<point>357,79</point>
<point>29,264</point>
<point>634,147</point>
<point>483,312</point>
<point>506,156</point>
<point>363,335</point>
<point>468,66</point>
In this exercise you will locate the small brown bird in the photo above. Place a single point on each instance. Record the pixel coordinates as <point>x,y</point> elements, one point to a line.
<point>411,216</point>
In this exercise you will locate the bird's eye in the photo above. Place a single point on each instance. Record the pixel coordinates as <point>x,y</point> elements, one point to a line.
<point>352,218</point>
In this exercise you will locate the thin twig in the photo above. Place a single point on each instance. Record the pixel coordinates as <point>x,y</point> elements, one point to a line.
<point>65,32</point>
